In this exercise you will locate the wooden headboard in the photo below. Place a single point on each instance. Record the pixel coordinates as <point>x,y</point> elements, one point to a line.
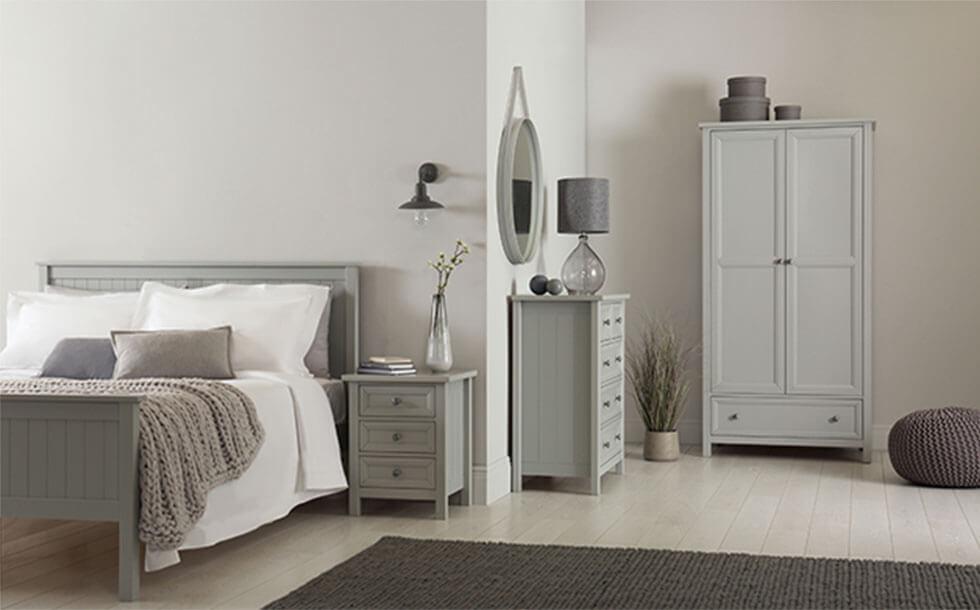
<point>122,277</point>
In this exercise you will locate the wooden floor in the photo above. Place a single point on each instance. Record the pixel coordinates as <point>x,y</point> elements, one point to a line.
<point>778,502</point>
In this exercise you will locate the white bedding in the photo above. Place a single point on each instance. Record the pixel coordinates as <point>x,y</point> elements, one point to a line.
<point>300,438</point>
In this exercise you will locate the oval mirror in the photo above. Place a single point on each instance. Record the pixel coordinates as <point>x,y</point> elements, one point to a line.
<point>520,191</point>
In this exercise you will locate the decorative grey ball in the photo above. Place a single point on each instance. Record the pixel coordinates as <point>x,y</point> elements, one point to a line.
<point>539,284</point>
<point>937,447</point>
<point>555,286</point>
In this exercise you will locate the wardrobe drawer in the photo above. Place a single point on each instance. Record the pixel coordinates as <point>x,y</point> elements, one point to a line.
<point>397,437</point>
<point>611,401</point>
<point>397,473</point>
<point>397,401</point>
<point>787,418</point>
<point>611,361</point>
<point>612,320</point>
<point>611,440</point>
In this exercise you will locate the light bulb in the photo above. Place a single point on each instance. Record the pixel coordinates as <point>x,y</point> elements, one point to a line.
<point>421,218</point>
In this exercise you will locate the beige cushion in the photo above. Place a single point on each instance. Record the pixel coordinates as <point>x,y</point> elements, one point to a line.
<point>203,354</point>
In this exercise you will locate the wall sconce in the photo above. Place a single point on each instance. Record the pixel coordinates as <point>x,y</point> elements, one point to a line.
<point>421,203</point>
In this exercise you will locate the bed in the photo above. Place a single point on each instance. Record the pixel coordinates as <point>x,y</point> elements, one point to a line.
<point>76,457</point>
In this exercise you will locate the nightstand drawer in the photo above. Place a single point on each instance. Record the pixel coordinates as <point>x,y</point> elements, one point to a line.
<point>397,437</point>
<point>611,320</point>
<point>611,401</point>
<point>611,361</point>
<point>611,441</point>
<point>397,473</point>
<point>397,401</point>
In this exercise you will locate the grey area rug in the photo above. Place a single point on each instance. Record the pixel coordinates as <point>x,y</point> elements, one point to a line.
<point>409,573</point>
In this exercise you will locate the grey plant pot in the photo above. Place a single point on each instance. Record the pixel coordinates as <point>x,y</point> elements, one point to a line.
<point>747,86</point>
<point>661,446</point>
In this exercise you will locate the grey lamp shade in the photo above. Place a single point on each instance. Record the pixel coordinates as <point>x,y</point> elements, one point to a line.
<point>583,205</point>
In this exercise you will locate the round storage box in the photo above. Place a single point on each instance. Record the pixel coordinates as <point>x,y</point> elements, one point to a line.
<point>788,112</point>
<point>744,108</point>
<point>747,86</point>
<point>937,447</point>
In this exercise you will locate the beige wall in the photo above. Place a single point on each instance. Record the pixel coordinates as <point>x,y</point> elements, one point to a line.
<point>548,40</point>
<point>260,131</point>
<point>656,69</point>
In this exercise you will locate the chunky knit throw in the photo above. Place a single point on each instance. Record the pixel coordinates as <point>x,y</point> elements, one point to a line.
<point>194,435</point>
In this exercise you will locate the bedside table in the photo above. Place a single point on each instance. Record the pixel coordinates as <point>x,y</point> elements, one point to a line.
<point>411,438</point>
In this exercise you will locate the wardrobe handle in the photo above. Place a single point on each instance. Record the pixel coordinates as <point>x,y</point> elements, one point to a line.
<point>606,322</point>
<point>397,436</point>
<point>606,404</point>
<point>619,320</point>
<point>397,472</point>
<point>606,444</point>
<point>605,363</point>
<point>833,419</point>
<point>619,358</point>
<point>787,261</point>
<point>733,417</point>
<point>396,401</point>
<point>777,261</point>
<point>619,437</point>
<point>619,398</point>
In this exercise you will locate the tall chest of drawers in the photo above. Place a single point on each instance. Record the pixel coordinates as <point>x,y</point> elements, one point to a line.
<point>568,386</point>
<point>410,438</point>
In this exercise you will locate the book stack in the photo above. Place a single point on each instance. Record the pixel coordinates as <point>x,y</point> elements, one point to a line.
<point>387,365</point>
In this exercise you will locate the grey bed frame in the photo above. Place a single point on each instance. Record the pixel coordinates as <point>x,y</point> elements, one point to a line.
<point>76,457</point>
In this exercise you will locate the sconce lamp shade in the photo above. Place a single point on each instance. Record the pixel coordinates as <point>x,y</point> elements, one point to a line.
<point>583,205</point>
<point>421,203</point>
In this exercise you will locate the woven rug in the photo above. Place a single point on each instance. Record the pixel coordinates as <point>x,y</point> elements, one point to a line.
<point>409,573</point>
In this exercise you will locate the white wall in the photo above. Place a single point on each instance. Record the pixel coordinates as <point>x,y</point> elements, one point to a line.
<point>657,69</point>
<point>547,39</point>
<point>259,131</point>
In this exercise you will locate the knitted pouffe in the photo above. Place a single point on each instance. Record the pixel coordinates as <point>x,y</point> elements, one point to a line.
<point>937,447</point>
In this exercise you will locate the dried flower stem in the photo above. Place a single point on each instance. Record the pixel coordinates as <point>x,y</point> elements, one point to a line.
<point>444,266</point>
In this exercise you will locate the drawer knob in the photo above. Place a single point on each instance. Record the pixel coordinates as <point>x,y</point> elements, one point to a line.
<point>605,363</point>
<point>606,444</point>
<point>619,358</point>
<point>619,320</point>
<point>396,401</point>
<point>606,404</point>
<point>619,398</point>
<point>606,322</point>
<point>619,437</point>
<point>396,472</point>
<point>733,417</point>
<point>833,419</point>
<point>397,436</point>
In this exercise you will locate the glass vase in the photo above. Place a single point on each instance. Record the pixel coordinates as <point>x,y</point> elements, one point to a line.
<point>583,271</point>
<point>439,349</point>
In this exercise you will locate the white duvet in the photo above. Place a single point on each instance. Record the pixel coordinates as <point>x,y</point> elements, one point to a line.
<point>298,461</point>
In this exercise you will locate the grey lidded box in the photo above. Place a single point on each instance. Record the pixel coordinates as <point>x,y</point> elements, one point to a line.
<point>568,357</point>
<point>744,108</point>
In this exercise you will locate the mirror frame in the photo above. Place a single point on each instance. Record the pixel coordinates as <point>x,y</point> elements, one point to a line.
<point>505,192</point>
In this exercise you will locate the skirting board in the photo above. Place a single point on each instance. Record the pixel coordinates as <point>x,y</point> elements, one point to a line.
<point>690,433</point>
<point>491,481</point>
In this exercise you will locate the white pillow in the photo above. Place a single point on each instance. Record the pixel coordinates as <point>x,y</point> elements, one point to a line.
<point>37,321</point>
<point>270,332</point>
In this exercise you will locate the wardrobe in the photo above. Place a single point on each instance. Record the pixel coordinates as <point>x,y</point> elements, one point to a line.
<point>787,283</point>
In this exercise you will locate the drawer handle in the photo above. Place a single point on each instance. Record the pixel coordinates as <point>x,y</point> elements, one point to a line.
<point>619,320</point>
<point>833,419</point>
<point>396,401</point>
<point>733,417</point>
<point>619,398</point>
<point>606,322</point>
<point>619,437</point>
<point>606,444</point>
<point>397,472</point>
<point>397,436</point>
<point>606,404</point>
<point>605,363</point>
<point>619,358</point>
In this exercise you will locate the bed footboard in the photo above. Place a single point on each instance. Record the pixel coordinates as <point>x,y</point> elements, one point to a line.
<point>74,457</point>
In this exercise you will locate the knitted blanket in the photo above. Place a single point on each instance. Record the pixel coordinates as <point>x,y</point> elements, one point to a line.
<point>194,435</point>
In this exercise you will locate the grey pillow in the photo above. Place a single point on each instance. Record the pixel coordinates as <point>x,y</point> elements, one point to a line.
<point>318,358</point>
<point>80,358</point>
<point>204,354</point>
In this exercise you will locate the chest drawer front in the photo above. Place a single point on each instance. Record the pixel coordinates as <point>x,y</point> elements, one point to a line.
<point>397,437</point>
<point>611,440</point>
<point>397,473</point>
<point>611,401</point>
<point>397,401</point>
<point>792,418</point>
<point>611,361</point>
<point>612,320</point>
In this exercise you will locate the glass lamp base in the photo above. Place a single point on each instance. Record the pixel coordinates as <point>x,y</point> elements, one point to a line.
<point>583,271</point>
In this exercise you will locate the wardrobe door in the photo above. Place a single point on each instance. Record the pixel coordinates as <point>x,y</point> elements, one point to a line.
<point>747,285</point>
<point>824,261</point>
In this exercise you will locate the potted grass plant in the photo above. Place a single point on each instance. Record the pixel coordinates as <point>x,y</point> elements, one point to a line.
<point>656,366</point>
